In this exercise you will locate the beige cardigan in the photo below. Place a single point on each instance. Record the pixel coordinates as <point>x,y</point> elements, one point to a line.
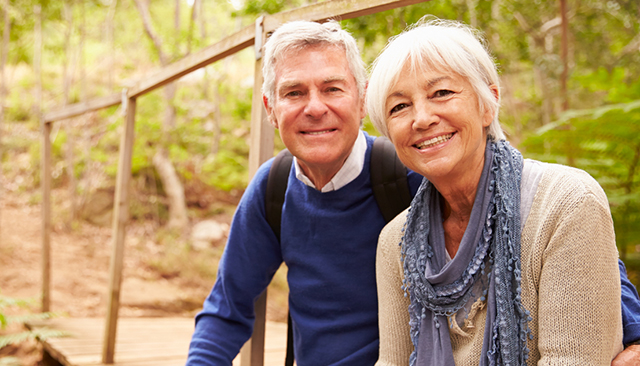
<point>570,281</point>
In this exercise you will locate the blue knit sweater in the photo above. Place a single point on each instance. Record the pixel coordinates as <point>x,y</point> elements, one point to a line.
<point>329,245</point>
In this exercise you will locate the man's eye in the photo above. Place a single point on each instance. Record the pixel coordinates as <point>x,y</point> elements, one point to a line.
<point>293,94</point>
<point>398,108</point>
<point>333,89</point>
<point>442,93</point>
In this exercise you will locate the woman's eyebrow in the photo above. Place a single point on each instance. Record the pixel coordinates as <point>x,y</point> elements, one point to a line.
<point>435,81</point>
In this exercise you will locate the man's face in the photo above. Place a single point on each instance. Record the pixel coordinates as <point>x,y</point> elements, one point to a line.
<point>316,107</point>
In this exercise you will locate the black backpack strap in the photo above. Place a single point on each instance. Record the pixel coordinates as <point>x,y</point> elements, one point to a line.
<point>289,357</point>
<point>389,179</point>
<point>390,189</point>
<point>276,188</point>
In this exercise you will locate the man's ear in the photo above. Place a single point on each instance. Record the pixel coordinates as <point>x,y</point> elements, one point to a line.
<point>363,107</point>
<point>270,116</point>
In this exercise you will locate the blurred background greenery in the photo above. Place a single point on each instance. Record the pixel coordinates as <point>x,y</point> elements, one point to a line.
<point>582,110</point>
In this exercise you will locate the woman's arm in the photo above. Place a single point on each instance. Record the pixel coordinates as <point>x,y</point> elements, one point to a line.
<point>579,284</point>
<point>395,341</point>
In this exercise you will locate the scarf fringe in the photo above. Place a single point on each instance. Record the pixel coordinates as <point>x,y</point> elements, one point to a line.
<point>497,257</point>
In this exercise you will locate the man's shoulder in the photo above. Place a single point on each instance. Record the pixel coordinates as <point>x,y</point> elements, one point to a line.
<point>258,184</point>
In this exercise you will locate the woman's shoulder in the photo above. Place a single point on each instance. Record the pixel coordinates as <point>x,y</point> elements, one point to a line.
<point>391,234</point>
<point>565,178</point>
<point>565,184</point>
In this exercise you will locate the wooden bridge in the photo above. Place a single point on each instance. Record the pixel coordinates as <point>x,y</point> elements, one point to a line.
<point>101,338</point>
<point>139,341</point>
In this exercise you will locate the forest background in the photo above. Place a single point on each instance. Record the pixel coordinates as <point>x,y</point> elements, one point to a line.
<point>575,102</point>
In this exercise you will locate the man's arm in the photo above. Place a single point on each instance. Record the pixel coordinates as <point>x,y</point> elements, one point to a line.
<point>250,259</point>
<point>630,322</point>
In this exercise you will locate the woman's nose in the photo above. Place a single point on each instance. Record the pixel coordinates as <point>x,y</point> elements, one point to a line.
<point>316,107</point>
<point>424,116</point>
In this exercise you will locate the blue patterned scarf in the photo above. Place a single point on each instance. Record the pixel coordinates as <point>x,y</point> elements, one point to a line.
<point>486,266</point>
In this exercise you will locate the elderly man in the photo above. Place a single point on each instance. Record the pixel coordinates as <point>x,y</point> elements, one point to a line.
<point>314,92</point>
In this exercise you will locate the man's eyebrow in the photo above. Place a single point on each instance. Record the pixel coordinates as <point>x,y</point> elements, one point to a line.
<point>289,84</point>
<point>332,79</point>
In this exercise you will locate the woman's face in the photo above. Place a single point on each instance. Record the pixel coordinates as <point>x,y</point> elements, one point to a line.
<point>435,123</point>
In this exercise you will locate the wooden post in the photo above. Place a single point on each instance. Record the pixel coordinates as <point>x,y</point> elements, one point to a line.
<point>261,140</point>
<point>261,149</point>
<point>120,218</point>
<point>564,45</point>
<point>46,165</point>
<point>46,216</point>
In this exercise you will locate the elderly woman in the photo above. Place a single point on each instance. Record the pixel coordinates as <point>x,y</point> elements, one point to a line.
<point>505,260</point>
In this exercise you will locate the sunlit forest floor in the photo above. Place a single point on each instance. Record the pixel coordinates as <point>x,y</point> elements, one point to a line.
<point>80,270</point>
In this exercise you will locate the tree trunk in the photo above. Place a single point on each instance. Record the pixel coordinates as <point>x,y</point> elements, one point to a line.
<point>3,80</point>
<point>37,62</point>
<point>192,22</point>
<point>171,182</point>
<point>68,125</point>
<point>217,120</point>
<point>173,188</point>
<point>110,39</point>
<point>472,5</point>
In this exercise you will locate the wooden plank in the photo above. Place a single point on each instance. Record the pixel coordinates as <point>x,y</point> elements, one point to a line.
<point>227,46</point>
<point>140,341</point>
<point>77,109</point>
<point>339,10</point>
<point>261,142</point>
<point>46,217</point>
<point>120,218</point>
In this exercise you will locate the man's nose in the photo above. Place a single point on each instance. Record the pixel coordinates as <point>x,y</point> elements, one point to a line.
<point>316,106</point>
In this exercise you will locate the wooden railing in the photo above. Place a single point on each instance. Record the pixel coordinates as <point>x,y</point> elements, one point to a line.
<point>261,145</point>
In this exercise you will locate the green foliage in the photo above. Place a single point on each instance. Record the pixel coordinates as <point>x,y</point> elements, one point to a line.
<point>257,7</point>
<point>605,142</point>
<point>9,361</point>
<point>176,252</point>
<point>6,320</point>
<point>226,171</point>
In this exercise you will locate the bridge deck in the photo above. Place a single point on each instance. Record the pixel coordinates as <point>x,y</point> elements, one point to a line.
<point>140,341</point>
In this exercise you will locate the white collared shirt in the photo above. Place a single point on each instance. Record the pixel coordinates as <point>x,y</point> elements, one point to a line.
<point>350,170</point>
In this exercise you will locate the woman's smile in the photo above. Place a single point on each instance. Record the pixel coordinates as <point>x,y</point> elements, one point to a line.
<point>433,141</point>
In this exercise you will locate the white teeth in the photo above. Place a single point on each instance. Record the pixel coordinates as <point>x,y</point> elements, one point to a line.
<point>318,132</point>
<point>434,141</point>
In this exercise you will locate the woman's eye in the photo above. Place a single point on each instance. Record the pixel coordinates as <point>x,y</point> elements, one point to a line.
<point>442,93</point>
<point>397,108</point>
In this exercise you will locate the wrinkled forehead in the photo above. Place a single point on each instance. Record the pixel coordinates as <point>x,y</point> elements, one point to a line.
<point>335,57</point>
<point>298,49</point>
<point>412,67</point>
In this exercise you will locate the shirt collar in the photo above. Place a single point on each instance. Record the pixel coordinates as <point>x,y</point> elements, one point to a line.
<point>350,170</point>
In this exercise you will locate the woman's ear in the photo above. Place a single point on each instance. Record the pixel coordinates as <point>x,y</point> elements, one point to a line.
<point>490,114</point>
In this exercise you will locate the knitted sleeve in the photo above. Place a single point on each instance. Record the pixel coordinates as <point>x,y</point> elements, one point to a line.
<point>395,341</point>
<point>630,307</point>
<point>579,320</point>
<point>251,257</point>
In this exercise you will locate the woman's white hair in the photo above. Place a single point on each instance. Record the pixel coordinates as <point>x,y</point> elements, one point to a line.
<point>297,35</point>
<point>439,44</point>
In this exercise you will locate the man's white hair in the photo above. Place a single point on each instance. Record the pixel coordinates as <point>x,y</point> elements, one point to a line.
<point>297,35</point>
